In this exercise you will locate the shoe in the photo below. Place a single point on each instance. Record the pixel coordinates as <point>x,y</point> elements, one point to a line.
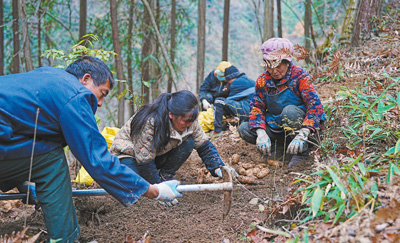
<point>298,159</point>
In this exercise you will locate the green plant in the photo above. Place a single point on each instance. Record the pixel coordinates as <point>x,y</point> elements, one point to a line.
<point>79,50</point>
<point>338,188</point>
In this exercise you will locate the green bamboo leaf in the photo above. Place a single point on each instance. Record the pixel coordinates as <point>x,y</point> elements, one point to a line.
<point>385,108</point>
<point>397,148</point>
<point>339,213</point>
<point>362,169</point>
<point>379,98</point>
<point>398,99</point>
<point>316,201</point>
<point>337,181</point>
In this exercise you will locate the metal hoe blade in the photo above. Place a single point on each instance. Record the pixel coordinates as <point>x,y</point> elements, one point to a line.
<point>227,177</point>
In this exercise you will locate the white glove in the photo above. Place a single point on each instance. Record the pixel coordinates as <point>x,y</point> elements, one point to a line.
<point>206,105</point>
<point>263,142</point>
<point>231,171</point>
<point>167,191</point>
<point>299,143</point>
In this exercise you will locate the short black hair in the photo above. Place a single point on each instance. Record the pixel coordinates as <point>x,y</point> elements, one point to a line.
<point>100,72</point>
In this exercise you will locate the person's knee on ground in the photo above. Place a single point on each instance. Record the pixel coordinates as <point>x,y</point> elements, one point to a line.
<point>169,163</point>
<point>293,116</point>
<point>246,134</point>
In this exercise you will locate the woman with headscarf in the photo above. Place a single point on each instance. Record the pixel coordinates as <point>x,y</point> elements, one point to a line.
<point>284,100</point>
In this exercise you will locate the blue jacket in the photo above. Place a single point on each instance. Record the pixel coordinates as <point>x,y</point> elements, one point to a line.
<point>241,91</point>
<point>66,117</point>
<point>212,88</point>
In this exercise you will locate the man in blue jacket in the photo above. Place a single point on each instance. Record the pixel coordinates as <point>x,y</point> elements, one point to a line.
<point>237,103</point>
<point>46,109</point>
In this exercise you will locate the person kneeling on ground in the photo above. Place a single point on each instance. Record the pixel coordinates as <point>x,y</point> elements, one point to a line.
<point>241,90</point>
<point>284,98</point>
<point>214,86</point>
<point>51,108</point>
<point>159,138</point>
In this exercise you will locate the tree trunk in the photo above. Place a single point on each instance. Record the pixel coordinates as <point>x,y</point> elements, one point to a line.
<point>173,41</point>
<point>145,69</point>
<point>118,61</point>
<point>1,38</point>
<point>16,47</point>
<point>201,43</point>
<point>279,10</point>
<point>348,23</point>
<point>225,36</point>
<point>39,35</point>
<point>155,69</point>
<point>307,27</point>
<point>131,106</point>
<point>160,41</point>
<point>82,19</point>
<point>269,19</point>
<point>363,24</point>
<point>26,39</point>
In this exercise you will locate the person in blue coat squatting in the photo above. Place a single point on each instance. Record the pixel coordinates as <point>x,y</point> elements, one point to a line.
<point>214,86</point>
<point>44,110</point>
<point>284,100</point>
<point>160,137</point>
<point>237,103</point>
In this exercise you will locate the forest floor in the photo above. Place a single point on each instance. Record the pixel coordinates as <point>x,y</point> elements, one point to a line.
<point>269,201</point>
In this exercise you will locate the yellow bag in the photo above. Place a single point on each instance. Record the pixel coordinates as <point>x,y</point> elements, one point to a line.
<point>206,119</point>
<point>83,176</point>
<point>109,134</point>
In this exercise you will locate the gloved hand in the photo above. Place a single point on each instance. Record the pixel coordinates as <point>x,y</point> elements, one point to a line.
<point>299,143</point>
<point>263,142</point>
<point>167,191</point>
<point>206,105</point>
<point>169,204</point>
<point>231,171</point>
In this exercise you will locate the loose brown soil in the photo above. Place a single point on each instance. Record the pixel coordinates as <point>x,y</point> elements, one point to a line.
<point>197,217</point>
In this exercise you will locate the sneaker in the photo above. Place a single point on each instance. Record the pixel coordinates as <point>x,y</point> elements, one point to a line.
<point>298,159</point>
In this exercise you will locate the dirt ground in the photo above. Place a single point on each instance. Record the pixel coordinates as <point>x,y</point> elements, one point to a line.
<point>197,217</point>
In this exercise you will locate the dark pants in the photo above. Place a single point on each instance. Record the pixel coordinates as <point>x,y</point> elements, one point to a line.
<point>225,107</point>
<point>292,116</point>
<point>168,163</point>
<point>53,189</point>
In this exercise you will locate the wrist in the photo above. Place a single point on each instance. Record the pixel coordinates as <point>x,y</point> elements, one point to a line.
<point>152,192</point>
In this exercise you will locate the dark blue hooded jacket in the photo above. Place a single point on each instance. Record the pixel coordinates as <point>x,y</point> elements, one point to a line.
<point>212,88</point>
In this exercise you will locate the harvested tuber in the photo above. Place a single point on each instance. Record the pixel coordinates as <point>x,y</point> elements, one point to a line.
<point>246,179</point>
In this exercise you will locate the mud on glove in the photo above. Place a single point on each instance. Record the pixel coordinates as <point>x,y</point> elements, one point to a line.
<point>299,143</point>
<point>167,191</point>
<point>263,142</point>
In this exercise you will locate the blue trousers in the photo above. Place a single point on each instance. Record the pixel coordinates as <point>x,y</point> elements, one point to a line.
<point>53,189</point>
<point>292,116</point>
<point>168,163</point>
<point>226,107</point>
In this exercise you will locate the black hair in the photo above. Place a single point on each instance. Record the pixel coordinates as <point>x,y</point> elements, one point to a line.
<point>180,104</point>
<point>95,67</point>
